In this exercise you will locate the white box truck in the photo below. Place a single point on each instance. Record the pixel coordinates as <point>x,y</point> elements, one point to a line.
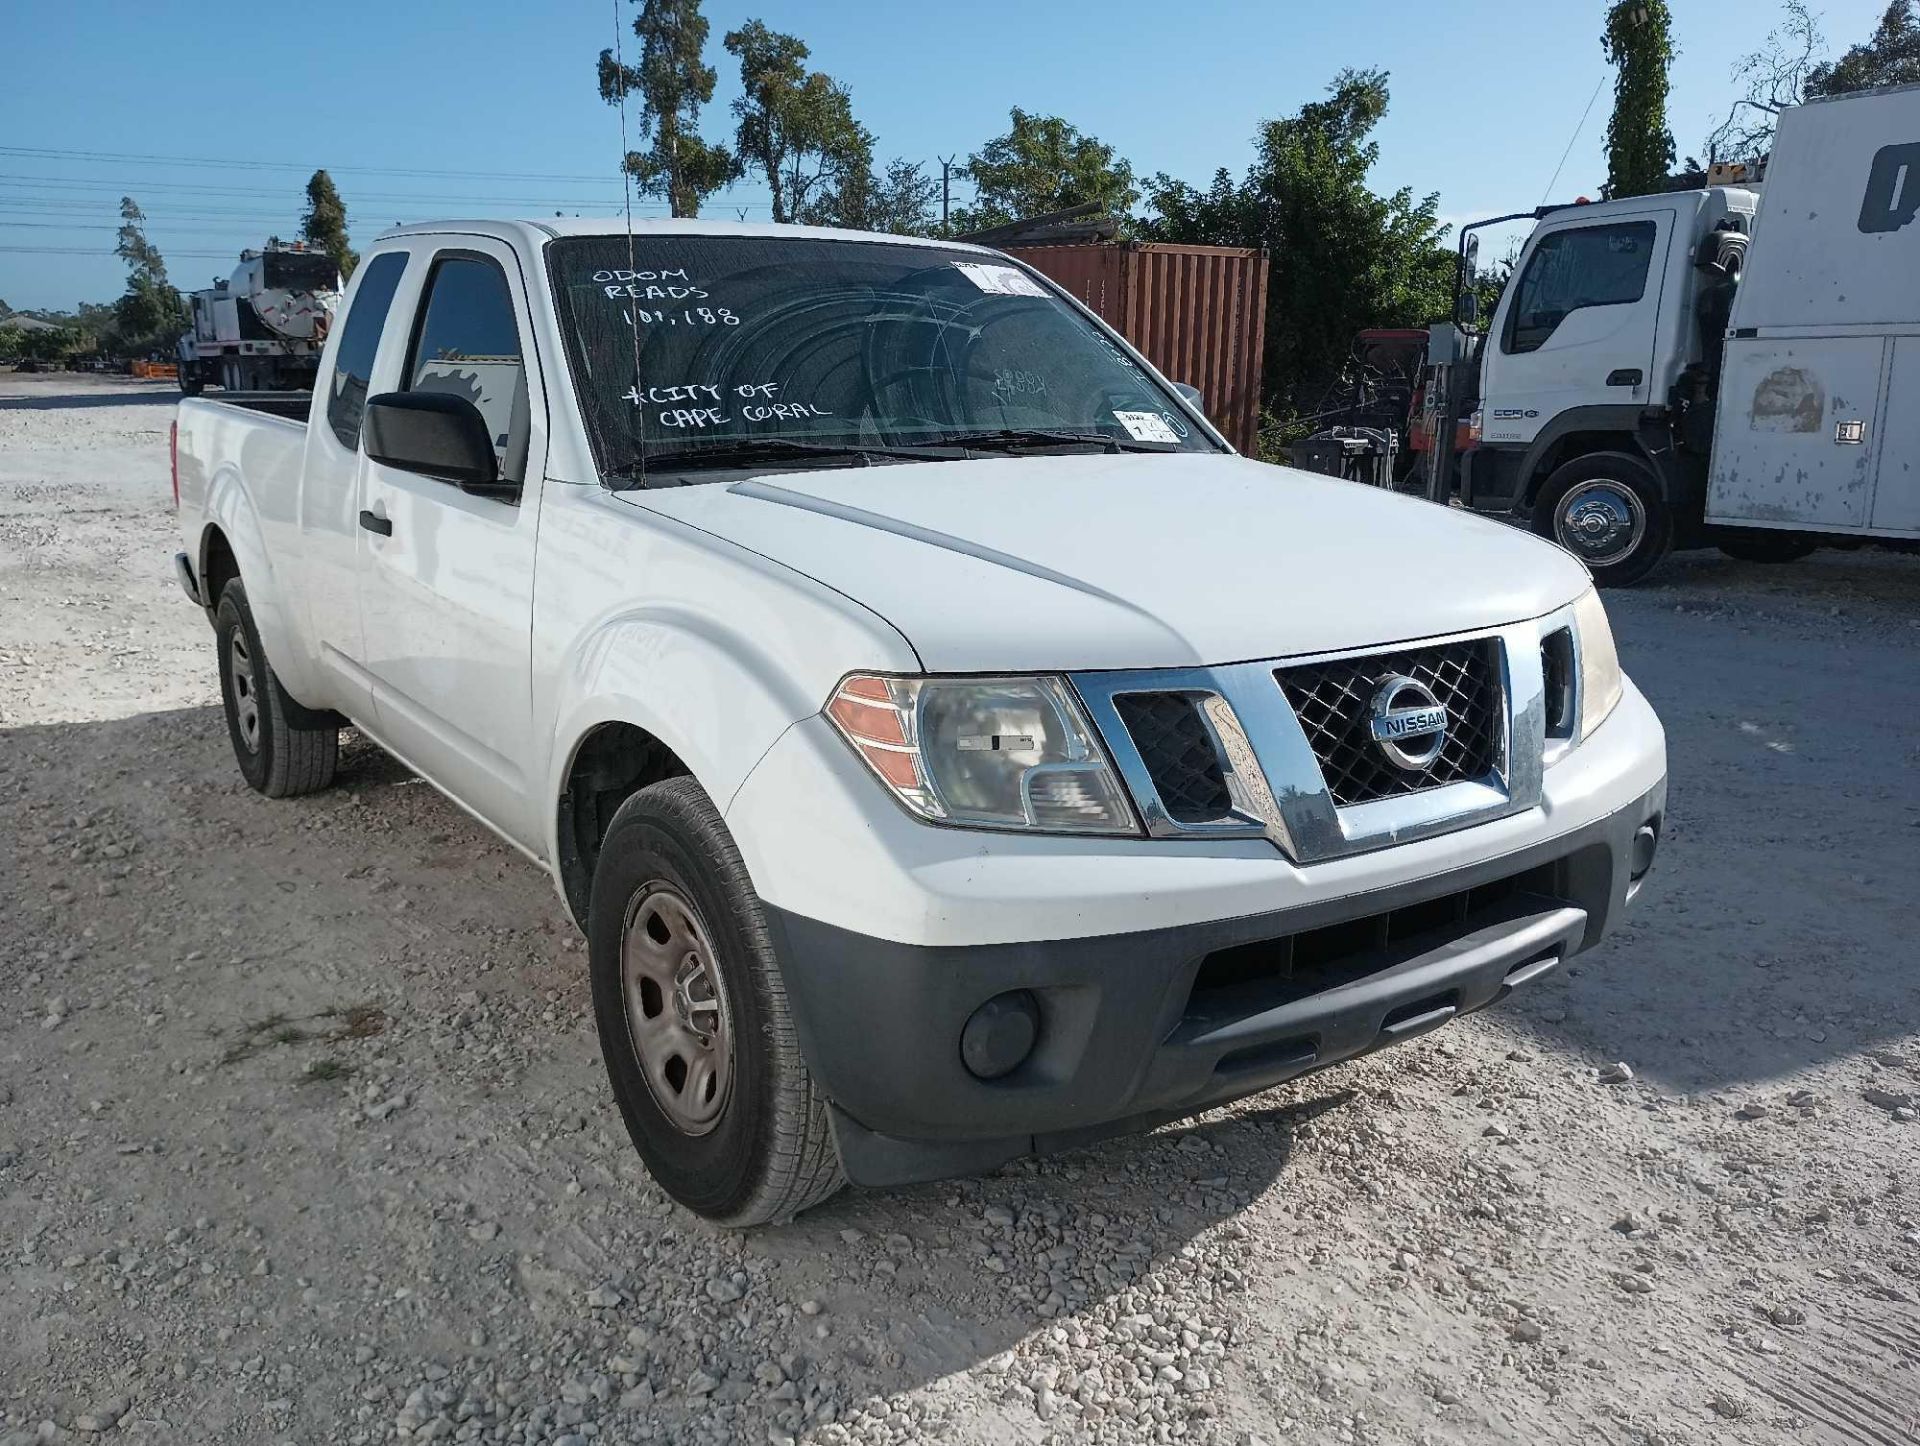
<point>1729,366</point>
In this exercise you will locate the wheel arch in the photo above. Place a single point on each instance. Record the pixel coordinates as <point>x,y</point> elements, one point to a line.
<point>1580,432</point>
<point>607,765</point>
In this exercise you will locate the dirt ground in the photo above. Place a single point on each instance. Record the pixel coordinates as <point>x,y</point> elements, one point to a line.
<point>303,1135</point>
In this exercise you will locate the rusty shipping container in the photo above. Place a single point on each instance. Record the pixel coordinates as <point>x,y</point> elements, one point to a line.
<point>1198,313</point>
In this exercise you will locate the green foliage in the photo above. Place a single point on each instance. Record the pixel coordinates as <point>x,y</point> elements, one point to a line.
<point>1341,257</point>
<point>1040,165</point>
<point>902,200</point>
<point>797,128</point>
<point>48,344</point>
<point>674,82</point>
<point>325,224</point>
<point>141,255</point>
<point>1639,41</point>
<point>151,315</point>
<point>1890,56</point>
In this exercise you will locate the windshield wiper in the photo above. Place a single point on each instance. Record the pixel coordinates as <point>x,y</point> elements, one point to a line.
<point>746,451</point>
<point>1043,437</point>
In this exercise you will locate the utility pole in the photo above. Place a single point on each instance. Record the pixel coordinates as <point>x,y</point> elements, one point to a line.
<point>946,192</point>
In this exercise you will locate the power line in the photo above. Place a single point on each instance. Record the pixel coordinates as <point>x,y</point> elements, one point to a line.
<point>230,163</point>
<point>1574,137</point>
<point>142,188</point>
<point>89,251</point>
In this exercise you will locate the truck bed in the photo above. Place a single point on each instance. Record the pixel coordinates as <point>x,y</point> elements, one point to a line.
<point>293,406</point>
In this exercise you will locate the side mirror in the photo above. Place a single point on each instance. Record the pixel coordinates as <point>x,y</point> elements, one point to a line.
<point>1470,306</point>
<point>1192,397</point>
<point>436,435</point>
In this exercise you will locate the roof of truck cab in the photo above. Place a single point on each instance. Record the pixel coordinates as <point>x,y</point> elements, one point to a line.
<point>536,231</point>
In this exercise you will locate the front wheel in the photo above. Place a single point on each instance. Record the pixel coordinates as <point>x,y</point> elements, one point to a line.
<point>692,1014</point>
<point>1606,509</point>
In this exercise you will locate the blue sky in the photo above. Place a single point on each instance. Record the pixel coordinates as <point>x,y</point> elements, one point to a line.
<point>1486,95</point>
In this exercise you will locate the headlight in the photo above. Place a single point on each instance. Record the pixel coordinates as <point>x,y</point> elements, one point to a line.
<point>984,752</point>
<point>1600,681</point>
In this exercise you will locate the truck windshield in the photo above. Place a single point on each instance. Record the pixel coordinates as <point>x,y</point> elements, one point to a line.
<point>718,351</point>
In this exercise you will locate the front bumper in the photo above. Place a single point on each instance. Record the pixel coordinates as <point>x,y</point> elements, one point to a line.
<point>1143,1027</point>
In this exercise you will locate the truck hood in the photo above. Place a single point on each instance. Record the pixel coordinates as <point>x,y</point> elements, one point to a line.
<point>1131,561</point>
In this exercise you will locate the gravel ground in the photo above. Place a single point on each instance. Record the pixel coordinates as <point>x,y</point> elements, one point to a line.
<point>303,1136</point>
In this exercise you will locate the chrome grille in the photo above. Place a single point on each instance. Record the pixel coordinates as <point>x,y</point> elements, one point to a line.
<point>1332,701</point>
<point>1179,754</point>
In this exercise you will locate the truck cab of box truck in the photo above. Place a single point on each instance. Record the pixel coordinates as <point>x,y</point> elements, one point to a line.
<point>1602,333</point>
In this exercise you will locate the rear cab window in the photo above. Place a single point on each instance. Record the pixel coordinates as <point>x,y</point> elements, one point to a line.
<point>1569,270</point>
<point>359,341</point>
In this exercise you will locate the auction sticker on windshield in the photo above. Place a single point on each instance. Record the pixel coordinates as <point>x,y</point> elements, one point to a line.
<point>1000,280</point>
<point>1147,426</point>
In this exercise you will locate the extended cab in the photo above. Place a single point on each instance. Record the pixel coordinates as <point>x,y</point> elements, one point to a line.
<point>950,748</point>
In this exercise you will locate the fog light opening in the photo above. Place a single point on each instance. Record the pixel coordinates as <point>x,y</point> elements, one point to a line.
<point>1646,842</point>
<point>1001,1034</point>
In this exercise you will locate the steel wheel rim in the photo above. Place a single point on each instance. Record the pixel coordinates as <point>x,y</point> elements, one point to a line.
<point>1601,522</point>
<point>677,1015</point>
<point>246,689</point>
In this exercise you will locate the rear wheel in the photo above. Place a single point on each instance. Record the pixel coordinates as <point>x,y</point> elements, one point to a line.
<point>693,1020</point>
<point>1767,546</point>
<point>1606,509</point>
<point>278,756</point>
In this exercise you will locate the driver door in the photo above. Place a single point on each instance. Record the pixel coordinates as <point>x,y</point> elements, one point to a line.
<point>447,577</point>
<point>1579,327</point>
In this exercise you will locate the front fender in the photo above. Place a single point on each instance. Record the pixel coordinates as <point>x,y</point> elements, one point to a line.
<point>716,694</point>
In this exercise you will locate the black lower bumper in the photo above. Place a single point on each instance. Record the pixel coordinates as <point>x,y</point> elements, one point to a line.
<point>1137,1029</point>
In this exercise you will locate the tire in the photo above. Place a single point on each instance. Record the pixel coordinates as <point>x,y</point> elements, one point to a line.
<point>683,968</point>
<point>191,384</point>
<point>1606,509</point>
<point>278,755</point>
<point>1767,547</point>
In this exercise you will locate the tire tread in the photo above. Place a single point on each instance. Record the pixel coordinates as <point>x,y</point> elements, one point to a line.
<point>801,1167</point>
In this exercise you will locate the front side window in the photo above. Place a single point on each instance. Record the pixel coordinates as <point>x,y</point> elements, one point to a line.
<point>1588,266</point>
<point>359,340</point>
<point>467,344</point>
<point>703,350</point>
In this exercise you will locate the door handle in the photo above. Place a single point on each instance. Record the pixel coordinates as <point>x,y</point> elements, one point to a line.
<point>1625,377</point>
<point>373,522</point>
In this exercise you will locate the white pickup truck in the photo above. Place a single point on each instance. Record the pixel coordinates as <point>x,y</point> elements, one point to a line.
<point>950,748</point>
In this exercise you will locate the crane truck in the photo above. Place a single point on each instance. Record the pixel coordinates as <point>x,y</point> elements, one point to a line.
<point>263,327</point>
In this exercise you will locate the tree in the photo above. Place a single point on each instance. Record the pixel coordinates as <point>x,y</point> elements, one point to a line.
<point>1891,56</point>
<point>900,200</point>
<point>325,224</point>
<point>1341,257</point>
<point>150,314</point>
<point>1771,78</point>
<point>1639,41</point>
<point>796,126</point>
<point>1043,164</point>
<point>674,82</point>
